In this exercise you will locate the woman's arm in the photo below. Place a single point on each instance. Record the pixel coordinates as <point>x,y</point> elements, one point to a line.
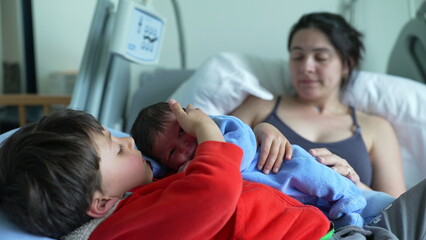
<point>253,110</point>
<point>386,158</point>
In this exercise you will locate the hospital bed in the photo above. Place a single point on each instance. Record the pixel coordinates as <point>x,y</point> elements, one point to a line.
<point>222,82</point>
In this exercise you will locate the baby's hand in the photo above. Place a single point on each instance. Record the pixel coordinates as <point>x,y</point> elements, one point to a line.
<point>196,123</point>
<point>273,147</point>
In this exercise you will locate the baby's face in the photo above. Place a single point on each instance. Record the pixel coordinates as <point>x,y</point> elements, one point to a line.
<point>174,147</point>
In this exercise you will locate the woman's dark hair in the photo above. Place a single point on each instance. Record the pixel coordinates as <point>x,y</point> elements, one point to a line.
<point>345,38</point>
<point>49,172</point>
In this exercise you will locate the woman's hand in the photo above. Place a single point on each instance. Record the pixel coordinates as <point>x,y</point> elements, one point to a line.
<point>337,163</point>
<point>273,147</point>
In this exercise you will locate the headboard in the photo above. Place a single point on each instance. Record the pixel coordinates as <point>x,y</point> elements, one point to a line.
<point>154,87</point>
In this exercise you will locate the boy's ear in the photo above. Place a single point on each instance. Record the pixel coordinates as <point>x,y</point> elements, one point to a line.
<point>101,205</point>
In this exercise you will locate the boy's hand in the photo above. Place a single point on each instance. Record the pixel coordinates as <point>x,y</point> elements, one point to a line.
<point>196,123</point>
<point>274,147</point>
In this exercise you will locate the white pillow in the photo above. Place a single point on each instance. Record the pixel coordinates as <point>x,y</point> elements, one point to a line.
<point>222,83</point>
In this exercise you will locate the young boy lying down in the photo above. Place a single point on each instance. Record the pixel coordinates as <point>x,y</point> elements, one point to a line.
<point>60,172</point>
<point>158,134</point>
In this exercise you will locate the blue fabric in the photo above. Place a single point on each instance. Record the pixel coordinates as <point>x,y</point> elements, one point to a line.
<point>7,134</point>
<point>302,177</point>
<point>376,202</point>
<point>237,132</point>
<point>9,231</point>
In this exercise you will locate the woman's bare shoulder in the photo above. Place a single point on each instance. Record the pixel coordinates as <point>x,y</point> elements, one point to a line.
<point>372,124</point>
<point>254,109</point>
<point>370,119</point>
<point>256,100</point>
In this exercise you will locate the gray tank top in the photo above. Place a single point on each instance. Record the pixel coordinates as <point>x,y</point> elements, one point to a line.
<point>352,149</point>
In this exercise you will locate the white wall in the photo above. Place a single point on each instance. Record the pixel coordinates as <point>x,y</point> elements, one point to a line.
<point>258,27</point>
<point>60,33</point>
<point>10,31</point>
<point>249,26</point>
<point>381,30</point>
<point>11,37</point>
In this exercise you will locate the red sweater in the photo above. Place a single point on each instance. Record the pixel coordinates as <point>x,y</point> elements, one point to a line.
<point>211,201</point>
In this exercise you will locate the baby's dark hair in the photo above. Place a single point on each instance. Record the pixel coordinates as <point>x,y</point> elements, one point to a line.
<point>148,124</point>
<point>344,37</point>
<point>49,172</point>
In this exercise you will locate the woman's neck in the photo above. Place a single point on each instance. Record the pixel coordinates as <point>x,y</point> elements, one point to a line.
<point>323,106</point>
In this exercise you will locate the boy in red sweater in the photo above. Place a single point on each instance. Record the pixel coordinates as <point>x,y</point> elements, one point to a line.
<point>74,168</point>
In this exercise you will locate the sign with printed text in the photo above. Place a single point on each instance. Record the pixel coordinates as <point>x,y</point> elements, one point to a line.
<point>144,39</point>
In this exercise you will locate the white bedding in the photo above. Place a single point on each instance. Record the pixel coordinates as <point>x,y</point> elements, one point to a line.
<point>223,81</point>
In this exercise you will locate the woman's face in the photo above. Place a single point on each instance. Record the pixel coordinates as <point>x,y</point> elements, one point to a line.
<point>316,67</point>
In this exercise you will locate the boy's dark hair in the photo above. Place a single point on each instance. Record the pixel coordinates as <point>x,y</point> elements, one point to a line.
<point>344,37</point>
<point>49,172</point>
<point>148,124</point>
